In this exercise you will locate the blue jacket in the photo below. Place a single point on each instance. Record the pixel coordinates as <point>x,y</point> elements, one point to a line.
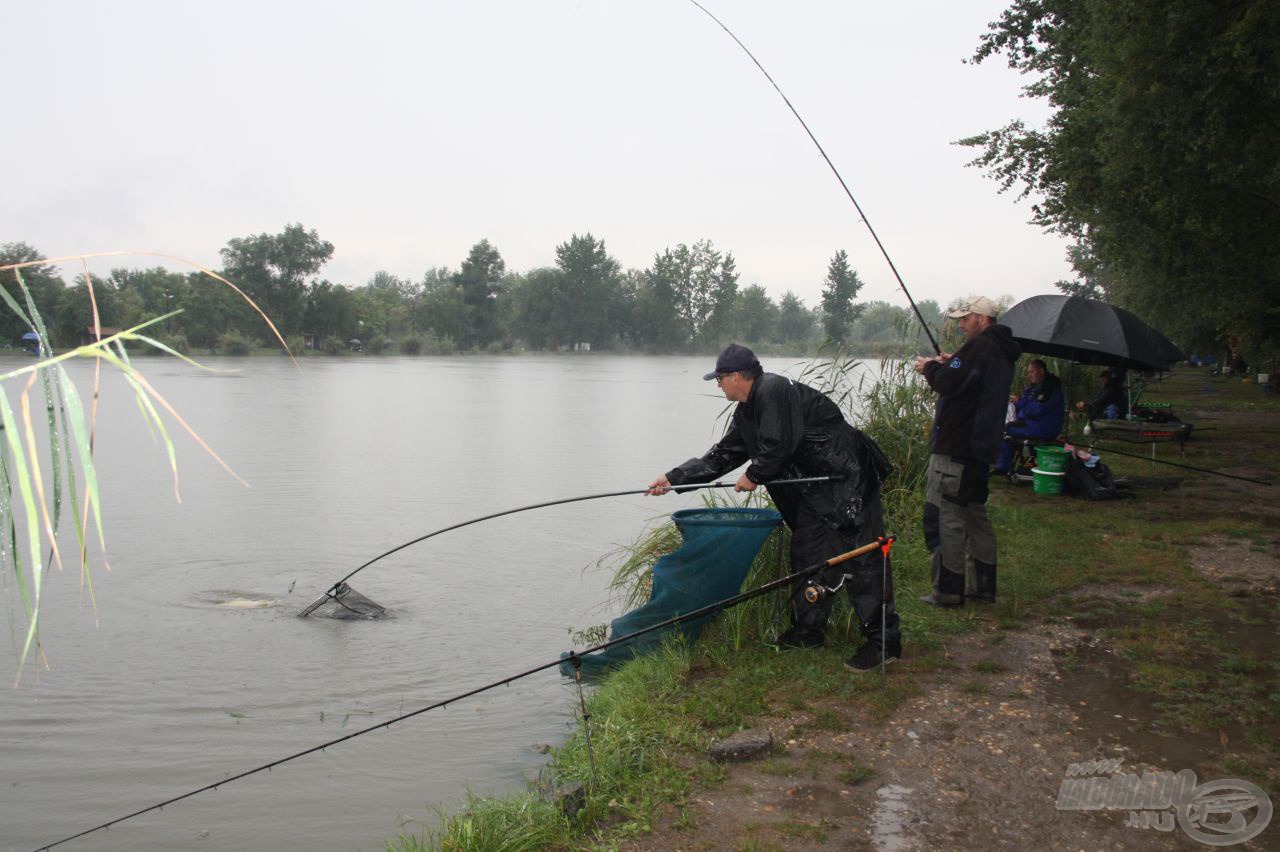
<point>1041,408</point>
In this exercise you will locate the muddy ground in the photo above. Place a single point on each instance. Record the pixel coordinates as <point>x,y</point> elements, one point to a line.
<point>976,759</point>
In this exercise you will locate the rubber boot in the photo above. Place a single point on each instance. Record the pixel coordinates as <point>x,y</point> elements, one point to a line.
<point>948,587</point>
<point>986,577</point>
<point>970,577</point>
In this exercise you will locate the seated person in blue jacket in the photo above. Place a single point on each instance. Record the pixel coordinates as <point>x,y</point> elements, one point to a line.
<point>1038,412</point>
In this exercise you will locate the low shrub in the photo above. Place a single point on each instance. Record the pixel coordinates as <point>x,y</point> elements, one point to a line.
<point>234,343</point>
<point>439,346</point>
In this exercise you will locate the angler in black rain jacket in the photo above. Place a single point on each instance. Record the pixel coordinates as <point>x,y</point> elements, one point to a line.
<point>784,429</point>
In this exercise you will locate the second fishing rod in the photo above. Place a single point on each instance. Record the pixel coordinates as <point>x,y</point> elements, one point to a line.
<point>339,586</point>
<point>812,574</point>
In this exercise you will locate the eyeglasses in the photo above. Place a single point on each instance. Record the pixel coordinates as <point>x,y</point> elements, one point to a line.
<point>720,378</point>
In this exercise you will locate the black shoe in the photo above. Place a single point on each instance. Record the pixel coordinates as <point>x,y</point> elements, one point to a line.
<point>793,639</point>
<point>933,601</point>
<point>868,658</point>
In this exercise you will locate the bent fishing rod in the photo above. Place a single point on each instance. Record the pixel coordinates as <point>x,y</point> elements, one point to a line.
<point>333,590</point>
<point>1090,441</point>
<point>883,544</point>
<point>834,171</point>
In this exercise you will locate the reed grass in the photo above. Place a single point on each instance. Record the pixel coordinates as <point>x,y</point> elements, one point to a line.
<point>522,824</point>
<point>36,517</point>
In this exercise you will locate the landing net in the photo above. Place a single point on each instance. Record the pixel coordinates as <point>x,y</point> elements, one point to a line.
<point>718,547</point>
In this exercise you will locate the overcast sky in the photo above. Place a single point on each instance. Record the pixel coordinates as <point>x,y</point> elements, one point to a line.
<point>404,132</point>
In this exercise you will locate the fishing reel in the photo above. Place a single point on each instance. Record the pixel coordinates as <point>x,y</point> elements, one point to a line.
<point>814,591</point>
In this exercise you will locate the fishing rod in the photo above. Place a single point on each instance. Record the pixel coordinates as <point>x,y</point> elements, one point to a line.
<point>883,543</point>
<point>834,171</point>
<point>333,591</point>
<point>1091,440</point>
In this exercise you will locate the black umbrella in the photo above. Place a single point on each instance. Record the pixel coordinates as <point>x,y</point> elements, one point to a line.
<point>1089,332</point>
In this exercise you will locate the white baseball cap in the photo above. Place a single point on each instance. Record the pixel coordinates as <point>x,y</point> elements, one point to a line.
<point>976,305</point>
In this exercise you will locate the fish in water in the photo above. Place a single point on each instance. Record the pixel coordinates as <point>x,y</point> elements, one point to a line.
<point>247,603</point>
<point>239,600</point>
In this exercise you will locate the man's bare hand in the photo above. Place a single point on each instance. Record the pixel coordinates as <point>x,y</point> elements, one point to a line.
<point>744,484</point>
<point>659,486</point>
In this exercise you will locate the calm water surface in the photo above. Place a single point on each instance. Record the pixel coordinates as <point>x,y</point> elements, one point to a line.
<point>167,689</point>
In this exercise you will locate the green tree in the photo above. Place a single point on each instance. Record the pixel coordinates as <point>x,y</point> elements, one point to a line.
<point>146,293</point>
<point>839,290</point>
<point>757,315</point>
<point>1091,283</point>
<point>440,308</point>
<point>589,291</point>
<point>330,312</point>
<point>660,324</point>
<point>273,270</point>
<point>703,287</point>
<point>480,282</point>
<point>211,309</point>
<point>795,322</point>
<point>721,317</point>
<point>383,305</point>
<point>534,299</point>
<point>42,281</point>
<point>73,313</point>
<point>934,317</point>
<point>1159,158</point>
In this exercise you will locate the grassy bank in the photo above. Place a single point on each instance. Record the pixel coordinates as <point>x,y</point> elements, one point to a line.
<point>1161,580</point>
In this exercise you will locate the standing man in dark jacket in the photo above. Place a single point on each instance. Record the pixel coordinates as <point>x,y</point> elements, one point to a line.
<point>787,430</point>
<point>968,429</point>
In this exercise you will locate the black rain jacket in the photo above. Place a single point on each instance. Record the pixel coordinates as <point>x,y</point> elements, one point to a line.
<point>973,396</point>
<point>788,430</point>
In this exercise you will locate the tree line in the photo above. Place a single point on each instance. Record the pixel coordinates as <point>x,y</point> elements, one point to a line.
<point>688,300</point>
<point>1159,159</point>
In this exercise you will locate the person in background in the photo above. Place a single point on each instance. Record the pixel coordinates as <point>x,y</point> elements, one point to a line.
<point>786,430</point>
<point>968,430</point>
<point>1111,402</point>
<point>1038,412</point>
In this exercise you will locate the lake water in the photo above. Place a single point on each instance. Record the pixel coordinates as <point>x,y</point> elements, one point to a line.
<point>167,688</point>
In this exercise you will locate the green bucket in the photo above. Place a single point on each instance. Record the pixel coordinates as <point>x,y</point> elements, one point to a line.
<point>1051,458</point>
<point>1047,481</point>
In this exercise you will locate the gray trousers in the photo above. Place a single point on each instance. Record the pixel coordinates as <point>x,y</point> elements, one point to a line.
<point>957,530</point>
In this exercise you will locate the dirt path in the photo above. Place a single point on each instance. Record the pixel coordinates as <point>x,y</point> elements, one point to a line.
<point>977,758</point>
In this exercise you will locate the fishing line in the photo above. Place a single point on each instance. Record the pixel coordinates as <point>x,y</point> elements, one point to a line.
<point>834,171</point>
<point>333,591</point>
<point>573,657</point>
<point>1090,441</point>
